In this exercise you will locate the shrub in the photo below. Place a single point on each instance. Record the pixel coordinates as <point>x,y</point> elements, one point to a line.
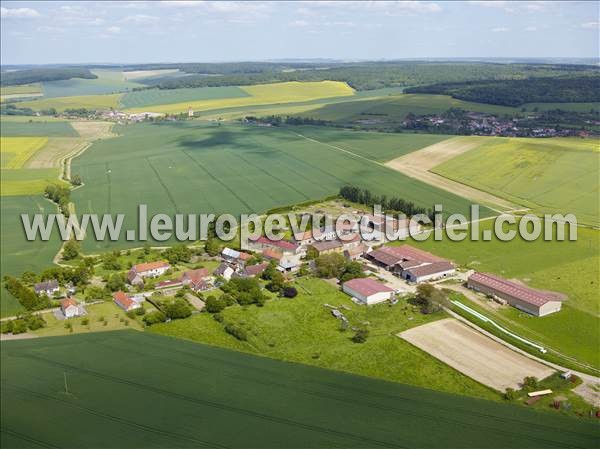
<point>154,317</point>
<point>215,305</point>
<point>360,336</point>
<point>178,309</point>
<point>6,327</point>
<point>290,292</point>
<point>236,331</point>
<point>510,394</point>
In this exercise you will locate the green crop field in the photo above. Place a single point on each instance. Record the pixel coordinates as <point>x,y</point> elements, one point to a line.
<point>17,254</point>
<point>35,126</point>
<point>304,330</point>
<point>130,389</point>
<point>196,168</point>
<point>568,267</point>
<point>155,97</point>
<point>108,82</point>
<point>16,151</point>
<point>91,102</point>
<point>396,107</point>
<point>548,175</point>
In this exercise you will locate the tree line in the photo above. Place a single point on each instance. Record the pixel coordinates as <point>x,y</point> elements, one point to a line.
<point>391,204</point>
<point>38,75</point>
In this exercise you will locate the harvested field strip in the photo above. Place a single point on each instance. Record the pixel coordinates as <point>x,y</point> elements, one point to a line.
<point>474,354</point>
<point>327,404</point>
<point>16,151</point>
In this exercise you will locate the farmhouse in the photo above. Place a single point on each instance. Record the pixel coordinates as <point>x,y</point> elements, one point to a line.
<point>283,246</point>
<point>224,271</point>
<point>328,247</point>
<point>125,302</point>
<point>196,279</point>
<point>530,300</point>
<point>367,290</point>
<point>146,270</point>
<point>70,308</point>
<point>47,288</point>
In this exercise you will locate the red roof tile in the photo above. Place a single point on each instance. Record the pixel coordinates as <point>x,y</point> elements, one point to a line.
<point>367,286</point>
<point>283,244</point>
<point>65,303</point>
<point>148,266</point>
<point>123,300</point>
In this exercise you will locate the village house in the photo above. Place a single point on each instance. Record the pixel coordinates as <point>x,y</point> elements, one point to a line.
<point>254,270</point>
<point>70,308</point>
<point>125,302</point>
<point>530,300</point>
<point>284,246</point>
<point>197,280</point>
<point>146,270</point>
<point>327,247</point>
<point>48,288</point>
<point>367,290</point>
<point>225,271</point>
<point>272,254</point>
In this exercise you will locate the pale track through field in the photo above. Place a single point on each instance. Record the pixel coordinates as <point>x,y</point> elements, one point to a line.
<point>418,163</point>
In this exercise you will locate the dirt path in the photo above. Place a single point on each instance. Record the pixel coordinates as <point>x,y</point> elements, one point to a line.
<point>418,163</point>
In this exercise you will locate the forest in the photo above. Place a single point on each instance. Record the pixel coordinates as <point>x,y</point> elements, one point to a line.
<point>517,92</point>
<point>37,75</point>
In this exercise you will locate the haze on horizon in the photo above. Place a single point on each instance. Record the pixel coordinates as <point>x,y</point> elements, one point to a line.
<point>196,31</point>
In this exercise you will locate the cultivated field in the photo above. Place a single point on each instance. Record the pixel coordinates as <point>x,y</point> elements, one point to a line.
<point>570,267</point>
<point>16,151</point>
<point>155,97</point>
<point>548,175</point>
<point>419,163</point>
<point>115,380</point>
<point>108,82</point>
<point>144,74</point>
<point>192,167</point>
<point>260,94</point>
<point>91,102</point>
<point>474,354</point>
<point>35,126</point>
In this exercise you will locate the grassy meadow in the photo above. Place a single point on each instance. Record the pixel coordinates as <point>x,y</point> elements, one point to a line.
<point>570,267</point>
<point>304,330</point>
<point>547,175</point>
<point>116,380</point>
<point>198,168</point>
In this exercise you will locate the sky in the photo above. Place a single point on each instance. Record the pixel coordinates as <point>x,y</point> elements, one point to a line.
<point>46,32</point>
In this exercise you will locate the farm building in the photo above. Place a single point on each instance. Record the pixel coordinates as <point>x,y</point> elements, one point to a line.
<point>262,243</point>
<point>254,270</point>
<point>272,254</point>
<point>378,225</point>
<point>146,270</point>
<point>328,246</point>
<point>423,272</point>
<point>529,300</point>
<point>289,263</point>
<point>47,288</point>
<point>412,264</point>
<point>224,271</point>
<point>356,252</point>
<point>125,302</point>
<point>233,256</point>
<point>196,279</point>
<point>70,308</point>
<point>367,290</point>
<point>169,285</point>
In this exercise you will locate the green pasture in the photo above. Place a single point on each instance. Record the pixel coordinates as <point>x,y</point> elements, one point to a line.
<point>131,389</point>
<point>304,330</point>
<point>154,97</point>
<point>18,126</point>
<point>547,175</point>
<point>570,267</point>
<point>196,168</point>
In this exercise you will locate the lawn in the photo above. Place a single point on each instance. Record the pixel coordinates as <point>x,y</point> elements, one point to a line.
<point>548,175</point>
<point>197,168</point>
<point>16,151</point>
<point>101,317</point>
<point>261,94</point>
<point>568,267</point>
<point>35,126</point>
<point>91,102</point>
<point>181,394</point>
<point>304,330</point>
